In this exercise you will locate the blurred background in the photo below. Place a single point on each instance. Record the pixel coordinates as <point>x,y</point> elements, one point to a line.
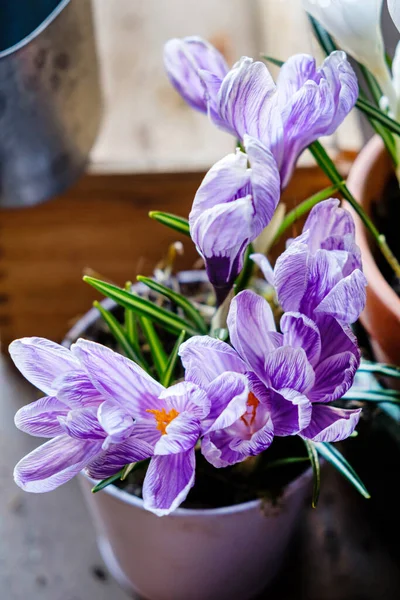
<point>147,150</point>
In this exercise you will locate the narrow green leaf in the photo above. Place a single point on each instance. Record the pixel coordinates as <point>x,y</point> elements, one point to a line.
<point>221,333</point>
<point>191,311</point>
<point>316,467</point>
<point>381,395</point>
<point>143,307</point>
<point>246,273</point>
<point>303,208</point>
<point>105,482</point>
<point>324,39</point>
<point>336,459</point>
<point>172,221</point>
<point>130,322</point>
<point>272,60</point>
<point>120,336</point>
<point>379,369</point>
<point>281,462</point>
<point>156,348</point>
<point>374,112</point>
<point>167,375</point>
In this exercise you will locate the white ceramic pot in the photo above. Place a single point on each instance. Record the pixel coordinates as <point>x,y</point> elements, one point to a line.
<point>227,553</point>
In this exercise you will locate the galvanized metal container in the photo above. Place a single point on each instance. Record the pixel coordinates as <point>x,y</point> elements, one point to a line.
<point>50,100</point>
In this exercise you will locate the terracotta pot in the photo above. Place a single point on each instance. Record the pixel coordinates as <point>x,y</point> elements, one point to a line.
<point>228,553</point>
<point>381,317</point>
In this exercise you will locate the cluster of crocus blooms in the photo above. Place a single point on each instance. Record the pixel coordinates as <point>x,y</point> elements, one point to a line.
<point>102,411</point>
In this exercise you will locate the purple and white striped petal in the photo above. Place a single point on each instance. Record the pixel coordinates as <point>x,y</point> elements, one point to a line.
<point>40,418</point>
<point>184,60</point>
<point>118,378</point>
<point>228,394</point>
<point>329,424</point>
<point>265,266</point>
<point>181,434</point>
<point>76,390</point>
<point>287,368</point>
<point>252,329</point>
<point>110,461</point>
<point>82,424</point>
<point>346,300</point>
<point>291,275</point>
<point>116,423</point>
<point>205,358</point>
<point>334,377</point>
<point>328,220</point>
<point>41,362</point>
<point>168,481</point>
<point>301,332</point>
<point>54,463</point>
<point>187,396</point>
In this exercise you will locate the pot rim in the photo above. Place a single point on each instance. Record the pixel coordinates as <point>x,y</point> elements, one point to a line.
<point>366,160</point>
<point>37,31</point>
<point>76,331</point>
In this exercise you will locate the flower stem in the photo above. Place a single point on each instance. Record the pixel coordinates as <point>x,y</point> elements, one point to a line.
<point>303,208</point>
<point>329,168</point>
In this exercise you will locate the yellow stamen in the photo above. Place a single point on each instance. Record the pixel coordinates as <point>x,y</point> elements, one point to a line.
<point>163,418</point>
<point>252,403</point>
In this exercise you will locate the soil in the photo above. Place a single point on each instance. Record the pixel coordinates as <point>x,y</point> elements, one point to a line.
<point>386,216</point>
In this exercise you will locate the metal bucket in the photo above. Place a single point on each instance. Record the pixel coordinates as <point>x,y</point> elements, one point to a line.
<point>50,100</point>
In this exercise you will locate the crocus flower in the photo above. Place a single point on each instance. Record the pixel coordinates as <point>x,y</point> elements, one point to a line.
<point>80,421</point>
<point>169,421</point>
<point>292,376</point>
<point>305,104</point>
<point>320,273</point>
<point>355,25</point>
<point>188,62</point>
<point>234,203</point>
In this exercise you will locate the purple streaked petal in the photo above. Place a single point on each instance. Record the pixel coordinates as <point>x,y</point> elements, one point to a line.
<point>54,463</point>
<point>323,274</point>
<point>110,461</point>
<point>290,276</point>
<point>205,358</point>
<point>76,390</point>
<point>288,368</point>
<point>117,378</point>
<point>265,183</point>
<point>41,361</point>
<point>82,424</point>
<point>187,396</point>
<point>228,394</point>
<point>346,300</point>
<point>263,263</point>
<point>334,377</point>
<point>221,184</point>
<point>326,220</point>
<point>183,59</point>
<point>329,424</point>
<point>293,75</point>
<point>221,235</point>
<point>216,449</point>
<point>290,411</point>
<point>250,324</point>
<point>116,423</point>
<point>259,441</point>
<point>40,418</point>
<point>168,482</point>
<point>336,338</point>
<point>181,434</point>
<point>301,332</point>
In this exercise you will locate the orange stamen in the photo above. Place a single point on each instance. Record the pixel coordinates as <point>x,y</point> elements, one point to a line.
<point>252,403</point>
<point>163,418</point>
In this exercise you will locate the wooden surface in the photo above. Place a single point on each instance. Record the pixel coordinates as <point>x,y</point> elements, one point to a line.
<point>100,224</point>
<point>346,549</point>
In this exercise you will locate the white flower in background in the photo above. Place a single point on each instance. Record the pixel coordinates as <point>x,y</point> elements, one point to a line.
<point>355,25</point>
<point>394,9</point>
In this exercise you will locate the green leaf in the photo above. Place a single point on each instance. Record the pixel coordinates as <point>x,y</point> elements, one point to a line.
<point>156,348</point>
<point>120,336</point>
<point>379,369</point>
<point>168,373</point>
<point>191,311</point>
<point>281,462</point>
<point>172,221</point>
<point>375,113</point>
<point>336,459</point>
<point>272,60</point>
<point>381,395</point>
<point>303,208</point>
<point>142,307</point>
<point>324,39</point>
<point>130,322</point>
<point>246,273</point>
<point>105,482</point>
<point>316,467</point>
